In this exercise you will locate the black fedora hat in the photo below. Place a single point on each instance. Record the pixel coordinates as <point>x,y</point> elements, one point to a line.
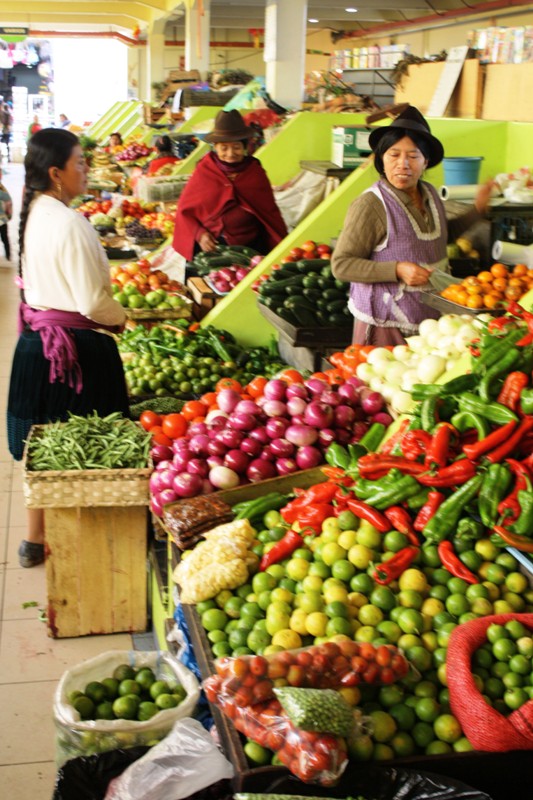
<point>229,127</point>
<point>411,120</point>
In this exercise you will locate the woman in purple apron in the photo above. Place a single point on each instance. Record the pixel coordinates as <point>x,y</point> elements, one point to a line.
<point>395,233</point>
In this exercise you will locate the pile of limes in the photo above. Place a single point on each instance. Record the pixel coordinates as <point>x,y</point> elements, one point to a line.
<point>326,592</point>
<point>133,694</point>
<point>503,666</point>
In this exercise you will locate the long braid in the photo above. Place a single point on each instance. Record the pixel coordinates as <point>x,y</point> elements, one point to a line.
<point>29,194</point>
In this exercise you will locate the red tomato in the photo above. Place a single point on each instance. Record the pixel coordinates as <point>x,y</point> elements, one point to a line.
<point>228,383</point>
<point>258,665</point>
<point>323,249</point>
<point>193,409</point>
<point>174,425</point>
<point>161,438</point>
<point>309,245</point>
<point>296,253</point>
<point>148,419</point>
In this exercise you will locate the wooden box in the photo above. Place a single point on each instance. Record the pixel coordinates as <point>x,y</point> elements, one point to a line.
<point>96,571</point>
<point>204,298</point>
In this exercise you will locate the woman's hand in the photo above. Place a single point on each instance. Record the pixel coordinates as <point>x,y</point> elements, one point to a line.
<point>483,196</point>
<point>412,274</point>
<point>207,242</point>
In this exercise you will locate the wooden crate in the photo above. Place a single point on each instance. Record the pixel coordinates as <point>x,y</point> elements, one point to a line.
<point>96,572</point>
<point>204,298</point>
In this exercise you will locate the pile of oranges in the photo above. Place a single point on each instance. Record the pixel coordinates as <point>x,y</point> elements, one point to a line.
<point>491,288</point>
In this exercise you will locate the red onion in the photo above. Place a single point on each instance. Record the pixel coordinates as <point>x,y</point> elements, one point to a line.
<point>207,487</point>
<point>214,461</point>
<point>251,447</point>
<point>156,506</point>
<point>372,403</point>
<point>230,437</point>
<point>285,466</point>
<point>247,407</point>
<point>260,434</point>
<point>242,422</point>
<point>216,447</point>
<point>281,448</point>
<point>160,452</point>
<point>342,435</point>
<point>255,260</point>
<point>180,461</point>
<point>316,385</point>
<point>267,454</point>
<point>164,464</point>
<point>301,435</point>
<point>166,478</point>
<point>276,427</point>
<point>296,405</point>
<point>326,436</point>
<point>223,478</point>
<point>155,482</point>
<point>227,399</point>
<point>241,273</point>
<point>216,418</point>
<point>198,466</point>
<point>308,457</point>
<point>330,398</point>
<point>260,470</point>
<point>344,416</point>
<point>196,429</point>
<point>275,389</point>
<point>348,393</point>
<point>297,419</point>
<point>167,496</point>
<point>358,431</point>
<point>236,460</point>
<point>296,390</point>
<point>354,381</point>
<point>318,415</point>
<point>180,445</point>
<point>186,485</point>
<point>383,418</point>
<point>198,444</point>
<point>275,408</point>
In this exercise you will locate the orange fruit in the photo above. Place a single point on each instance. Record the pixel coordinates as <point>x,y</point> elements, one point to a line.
<point>492,300</point>
<point>515,282</point>
<point>471,280</point>
<point>520,269</point>
<point>513,293</point>
<point>473,288</point>
<point>474,301</point>
<point>484,277</point>
<point>500,284</point>
<point>499,270</point>
<point>461,297</point>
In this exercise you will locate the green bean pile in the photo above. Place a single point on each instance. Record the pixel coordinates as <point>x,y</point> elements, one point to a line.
<point>92,442</point>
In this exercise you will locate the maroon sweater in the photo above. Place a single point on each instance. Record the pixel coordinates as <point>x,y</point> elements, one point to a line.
<point>240,208</point>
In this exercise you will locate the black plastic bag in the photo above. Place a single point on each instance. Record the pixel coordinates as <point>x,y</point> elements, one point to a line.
<point>87,777</point>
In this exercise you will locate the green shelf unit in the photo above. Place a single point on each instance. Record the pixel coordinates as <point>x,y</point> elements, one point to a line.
<point>125,117</point>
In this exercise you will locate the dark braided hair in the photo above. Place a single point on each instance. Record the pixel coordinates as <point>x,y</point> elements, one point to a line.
<point>49,147</point>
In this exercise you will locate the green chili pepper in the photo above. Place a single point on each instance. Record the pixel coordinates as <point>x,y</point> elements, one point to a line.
<point>424,391</point>
<point>496,349</point>
<point>428,413</point>
<point>469,528</point>
<point>373,437</point>
<point>463,383</point>
<point>526,401</point>
<point>251,509</point>
<point>466,420</point>
<point>495,484</point>
<point>418,500</point>
<point>524,524</point>
<point>488,385</point>
<point>446,518</point>
<point>337,456</point>
<point>494,412</point>
<point>355,451</point>
<point>393,494</point>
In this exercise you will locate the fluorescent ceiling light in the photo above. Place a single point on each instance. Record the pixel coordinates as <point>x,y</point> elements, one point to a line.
<point>312,20</point>
<point>351,10</point>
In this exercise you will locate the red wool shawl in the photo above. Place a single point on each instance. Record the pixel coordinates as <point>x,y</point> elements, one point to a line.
<point>207,193</point>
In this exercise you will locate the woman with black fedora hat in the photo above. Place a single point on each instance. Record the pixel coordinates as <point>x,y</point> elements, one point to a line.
<point>396,233</point>
<point>228,198</point>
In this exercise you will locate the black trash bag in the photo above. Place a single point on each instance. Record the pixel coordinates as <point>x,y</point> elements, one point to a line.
<point>87,777</point>
<point>378,783</point>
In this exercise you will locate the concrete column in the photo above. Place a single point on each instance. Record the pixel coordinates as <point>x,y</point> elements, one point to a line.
<point>197,30</point>
<point>284,53</point>
<point>155,57</point>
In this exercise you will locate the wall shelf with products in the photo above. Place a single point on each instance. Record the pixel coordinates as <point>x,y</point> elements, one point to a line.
<point>376,82</point>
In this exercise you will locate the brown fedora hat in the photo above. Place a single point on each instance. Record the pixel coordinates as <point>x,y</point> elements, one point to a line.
<point>229,127</point>
<point>411,120</point>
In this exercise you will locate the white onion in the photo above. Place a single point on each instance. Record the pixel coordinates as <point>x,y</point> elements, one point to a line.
<point>427,326</point>
<point>364,371</point>
<point>401,402</point>
<point>430,368</point>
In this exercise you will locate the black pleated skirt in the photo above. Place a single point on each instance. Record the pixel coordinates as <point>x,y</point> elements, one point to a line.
<point>33,400</point>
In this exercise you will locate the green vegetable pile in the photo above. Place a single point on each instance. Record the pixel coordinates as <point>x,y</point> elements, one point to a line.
<point>304,293</point>
<point>234,255</point>
<point>172,360</point>
<point>92,442</point>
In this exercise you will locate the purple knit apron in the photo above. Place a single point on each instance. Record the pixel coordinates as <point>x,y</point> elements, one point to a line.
<point>396,305</point>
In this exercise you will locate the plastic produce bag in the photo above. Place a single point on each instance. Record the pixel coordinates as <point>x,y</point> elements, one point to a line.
<point>317,709</point>
<point>87,777</point>
<point>332,665</point>
<point>484,726</point>
<point>185,762</point>
<point>77,737</point>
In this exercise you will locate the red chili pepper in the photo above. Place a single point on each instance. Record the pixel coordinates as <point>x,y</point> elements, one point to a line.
<point>525,340</point>
<point>366,512</point>
<point>415,444</point>
<point>500,324</point>
<point>439,449</point>
<point>321,492</point>
<point>509,507</point>
<point>514,539</point>
<point>454,475</point>
<point>291,510</point>
<point>337,474</point>
<point>512,442</point>
<point>377,465</point>
<point>517,310</point>
<point>453,563</point>
<point>389,570</point>
<point>435,499</point>
<point>312,515</point>
<point>281,550</point>
<point>473,346</point>
<point>512,387</point>
<point>402,522</point>
<point>475,451</point>
<point>388,446</point>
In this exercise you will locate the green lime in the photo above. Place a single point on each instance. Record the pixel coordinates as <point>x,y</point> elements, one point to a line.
<point>383,725</point>
<point>362,583</point>
<point>232,607</point>
<point>123,671</point>
<point>336,609</point>
<point>145,677</point>
<point>457,604</point>
<point>164,701</point>
<point>409,598</point>
<point>430,556</point>
<point>147,710</point>
<point>403,715</point>
<point>111,687</point>
<point>383,597</point>
<point>257,640</point>
<point>244,590</point>
<point>419,657</point>
<point>440,576</point>
<point>217,636</point>
<point>520,664</point>
<point>104,710</point>
<point>516,629</point>
<point>238,637</point>
<point>343,569</point>
<point>204,605</point>
<point>495,573</point>
<point>157,688</point>
<point>422,734</point>
<point>439,592</point>
<point>403,744</point>
<point>507,561</point>
<point>457,585</point>
<point>411,621</point>
<point>84,706</point>
<point>339,625</point>
<point>425,689</point>
<point>471,559</point>
<point>447,728</point>
<point>438,748</point>
<point>390,630</point>
<point>394,541</point>
<point>96,692</point>
<point>263,581</point>
<point>391,695</point>
<point>462,745</point>
<point>504,649</point>
<point>477,591</point>
<point>214,619</point>
<point>126,707</point>
<point>347,521</point>
<point>257,754</point>
<point>512,680</point>
<point>129,686</point>
<point>427,709</point>
<point>220,649</point>
<point>494,687</point>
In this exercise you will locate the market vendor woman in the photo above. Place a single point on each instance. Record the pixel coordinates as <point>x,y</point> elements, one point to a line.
<point>396,233</point>
<point>228,198</point>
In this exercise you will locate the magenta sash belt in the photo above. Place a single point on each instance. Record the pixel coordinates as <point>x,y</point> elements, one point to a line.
<point>59,346</point>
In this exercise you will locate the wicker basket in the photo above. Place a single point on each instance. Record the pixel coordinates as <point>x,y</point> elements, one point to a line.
<point>76,488</point>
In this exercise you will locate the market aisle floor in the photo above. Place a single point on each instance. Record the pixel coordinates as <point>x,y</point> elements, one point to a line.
<point>30,662</point>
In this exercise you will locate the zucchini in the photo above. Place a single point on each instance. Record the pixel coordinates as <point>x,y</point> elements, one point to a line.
<point>242,248</point>
<point>326,272</point>
<point>286,315</point>
<point>286,271</point>
<point>310,264</point>
<point>338,320</point>
<point>311,281</point>
<point>306,318</point>
<point>279,287</point>
<point>312,294</point>
<point>336,306</point>
<point>332,294</point>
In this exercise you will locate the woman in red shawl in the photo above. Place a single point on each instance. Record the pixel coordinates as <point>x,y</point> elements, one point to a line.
<point>228,199</point>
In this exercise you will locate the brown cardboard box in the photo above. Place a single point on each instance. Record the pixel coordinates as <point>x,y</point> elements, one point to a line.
<point>204,298</point>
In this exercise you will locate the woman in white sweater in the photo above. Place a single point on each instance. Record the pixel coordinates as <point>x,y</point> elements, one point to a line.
<point>65,359</point>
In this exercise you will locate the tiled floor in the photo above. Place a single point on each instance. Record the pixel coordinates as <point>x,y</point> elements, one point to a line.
<point>31,663</point>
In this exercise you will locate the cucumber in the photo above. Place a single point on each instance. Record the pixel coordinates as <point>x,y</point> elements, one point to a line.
<point>279,287</point>
<point>336,306</point>
<point>312,294</point>
<point>338,320</point>
<point>311,281</point>
<point>332,294</point>
<point>326,272</point>
<point>311,264</point>
<point>286,315</point>
<point>286,271</point>
<point>306,318</point>
<point>242,248</point>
